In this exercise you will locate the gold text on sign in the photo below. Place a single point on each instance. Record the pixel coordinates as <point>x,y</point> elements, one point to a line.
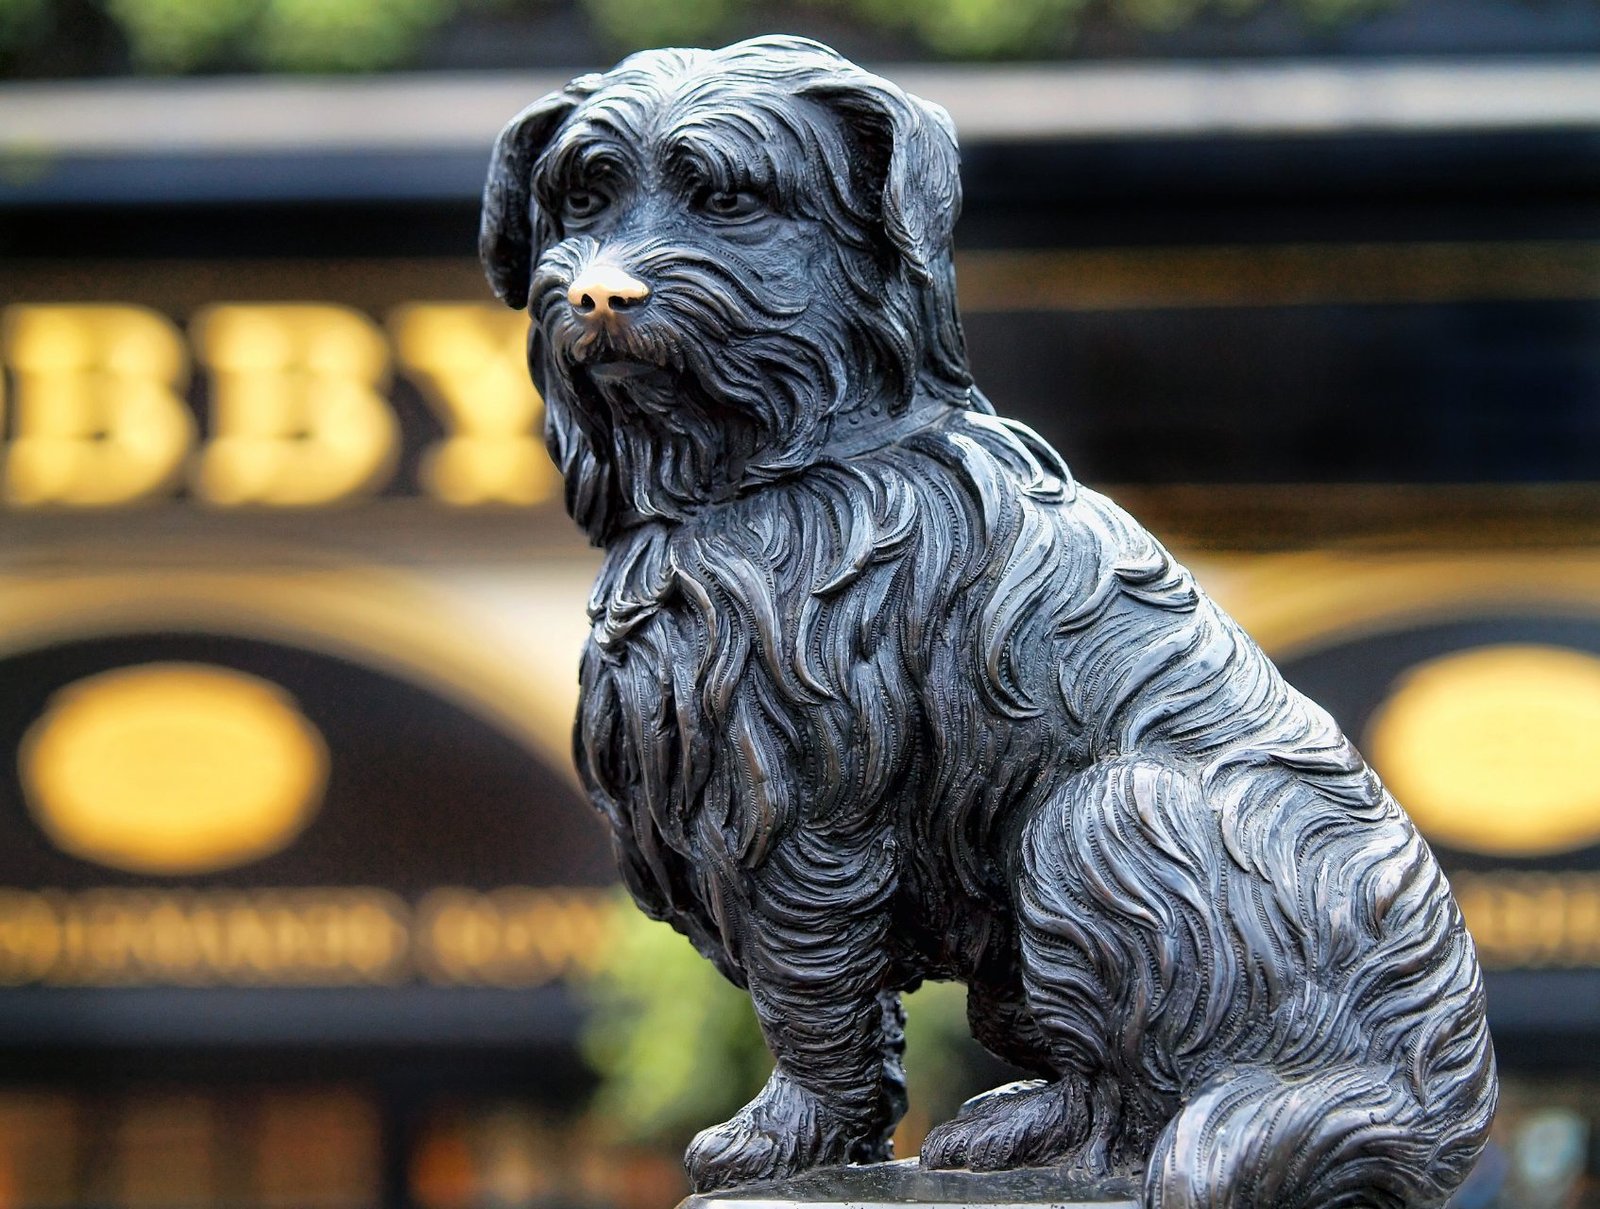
<point>468,361</point>
<point>511,937</point>
<point>517,936</point>
<point>112,937</point>
<point>100,414</point>
<point>297,411</point>
<point>1532,920</point>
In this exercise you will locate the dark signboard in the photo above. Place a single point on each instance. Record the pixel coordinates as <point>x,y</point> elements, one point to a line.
<point>195,826</point>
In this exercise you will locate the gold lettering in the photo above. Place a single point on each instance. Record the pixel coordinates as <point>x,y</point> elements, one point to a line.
<point>469,361</point>
<point>30,940</point>
<point>375,938</point>
<point>593,929</point>
<point>553,933</point>
<point>210,935</point>
<point>1532,920</point>
<point>1552,938</point>
<point>109,928</point>
<point>457,940</point>
<point>512,937</point>
<point>297,410</point>
<point>528,924</point>
<point>165,949</point>
<point>250,954</point>
<point>291,942</point>
<point>1583,922</point>
<point>312,937</point>
<point>321,919</point>
<point>100,417</point>
<point>73,939</point>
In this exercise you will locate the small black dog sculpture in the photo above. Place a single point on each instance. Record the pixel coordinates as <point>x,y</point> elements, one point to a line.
<point>877,693</point>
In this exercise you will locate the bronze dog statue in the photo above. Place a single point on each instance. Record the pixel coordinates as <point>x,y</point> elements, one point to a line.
<point>876,693</point>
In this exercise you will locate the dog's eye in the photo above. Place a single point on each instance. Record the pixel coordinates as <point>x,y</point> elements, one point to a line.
<point>582,203</point>
<point>729,203</point>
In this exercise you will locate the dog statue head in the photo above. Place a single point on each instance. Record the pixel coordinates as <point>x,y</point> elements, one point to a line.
<point>734,260</point>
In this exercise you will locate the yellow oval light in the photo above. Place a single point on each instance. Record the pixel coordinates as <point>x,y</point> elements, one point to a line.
<point>172,768</point>
<point>1496,749</point>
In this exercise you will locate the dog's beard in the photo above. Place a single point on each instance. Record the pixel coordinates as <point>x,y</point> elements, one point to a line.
<point>715,384</point>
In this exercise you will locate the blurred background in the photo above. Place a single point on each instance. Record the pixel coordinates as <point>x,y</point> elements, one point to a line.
<point>299,905</point>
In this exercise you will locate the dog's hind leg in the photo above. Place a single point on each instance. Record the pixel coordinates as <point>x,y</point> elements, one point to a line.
<point>1028,1121</point>
<point>1125,964</point>
<point>1341,1135</point>
<point>1000,1022</point>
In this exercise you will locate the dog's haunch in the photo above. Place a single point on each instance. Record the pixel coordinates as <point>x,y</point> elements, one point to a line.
<point>877,693</point>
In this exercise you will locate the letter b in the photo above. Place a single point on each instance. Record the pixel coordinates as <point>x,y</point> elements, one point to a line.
<point>298,414</point>
<point>101,417</point>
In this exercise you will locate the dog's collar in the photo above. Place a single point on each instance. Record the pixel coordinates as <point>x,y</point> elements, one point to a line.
<point>864,431</point>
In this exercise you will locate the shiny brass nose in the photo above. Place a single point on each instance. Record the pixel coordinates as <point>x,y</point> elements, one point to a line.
<point>601,290</point>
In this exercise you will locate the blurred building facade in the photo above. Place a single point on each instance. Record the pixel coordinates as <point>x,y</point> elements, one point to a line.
<point>297,894</point>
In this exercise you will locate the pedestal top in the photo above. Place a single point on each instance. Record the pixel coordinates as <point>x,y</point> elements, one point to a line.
<point>907,1183</point>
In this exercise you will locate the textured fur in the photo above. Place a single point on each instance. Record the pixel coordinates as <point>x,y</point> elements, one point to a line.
<point>877,693</point>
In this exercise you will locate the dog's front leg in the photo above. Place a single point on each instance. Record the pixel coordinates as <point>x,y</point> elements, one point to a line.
<point>815,962</point>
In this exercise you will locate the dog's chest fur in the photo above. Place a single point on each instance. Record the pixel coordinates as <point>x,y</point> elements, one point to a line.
<point>912,643</point>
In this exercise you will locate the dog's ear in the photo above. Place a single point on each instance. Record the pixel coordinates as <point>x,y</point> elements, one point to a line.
<point>505,232</point>
<point>913,143</point>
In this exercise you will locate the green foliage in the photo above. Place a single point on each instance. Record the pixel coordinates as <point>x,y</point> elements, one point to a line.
<point>939,1050</point>
<point>981,29</point>
<point>1160,16</point>
<point>677,1047</point>
<point>290,35</point>
<point>365,35</point>
<point>1163,16</point>
<point>636,24</point>
<point>1328,13</point>
<point>345,35</point>
<point>180,35</point>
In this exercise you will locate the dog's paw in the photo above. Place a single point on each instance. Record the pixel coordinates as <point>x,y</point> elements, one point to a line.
<point>784,1130</point>
<point>1027,1124</point>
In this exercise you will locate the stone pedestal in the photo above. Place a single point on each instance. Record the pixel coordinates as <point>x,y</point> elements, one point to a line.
<point>903,1184</point>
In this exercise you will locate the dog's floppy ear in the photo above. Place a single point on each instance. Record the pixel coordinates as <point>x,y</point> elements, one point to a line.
<point>505,232</point>
<point>922,179</point>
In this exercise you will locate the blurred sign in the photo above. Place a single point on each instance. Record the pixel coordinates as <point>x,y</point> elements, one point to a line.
<point>1532,920</point>
<point>516,936</point>
<point>1496,749</point>
<point>195,810</point>
<point>172,768</point>
<point>296,409</point>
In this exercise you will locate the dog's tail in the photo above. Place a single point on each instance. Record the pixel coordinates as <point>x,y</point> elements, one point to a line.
<point>1348,1136</point>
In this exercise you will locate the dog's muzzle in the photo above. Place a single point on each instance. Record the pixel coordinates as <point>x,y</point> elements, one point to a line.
<point>601,291</point>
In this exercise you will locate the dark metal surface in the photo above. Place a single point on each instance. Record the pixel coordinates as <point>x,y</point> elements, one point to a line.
<point>876,692</point>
